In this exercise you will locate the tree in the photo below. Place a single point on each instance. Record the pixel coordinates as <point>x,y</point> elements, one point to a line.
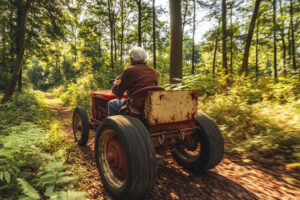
<point>292,42</point>
<point>282,35</point>
<point>193,45</point>
<point>176,41</point>
<point>249,38</point>
<point>224,48</point>
<point>139,4</point>
<point>111,17</point>
<point>274,41</point>
<point>256,50</point>
<point>122,30</point>
<point>20,53</point>
<point>215,51</point>
<point>154,34</point>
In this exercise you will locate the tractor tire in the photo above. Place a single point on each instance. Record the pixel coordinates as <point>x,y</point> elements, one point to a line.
<point>81,126</point>
<point>125,157</point>
<point>211,147</point>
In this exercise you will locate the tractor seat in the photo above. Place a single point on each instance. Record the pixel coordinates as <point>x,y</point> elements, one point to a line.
<point>143,92</point>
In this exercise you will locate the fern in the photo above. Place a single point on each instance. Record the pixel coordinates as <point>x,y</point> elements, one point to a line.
<point>28,190</point>
<point>68,195</point>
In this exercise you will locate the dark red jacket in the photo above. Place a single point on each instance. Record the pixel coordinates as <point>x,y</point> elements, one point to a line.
<point>132,79</point>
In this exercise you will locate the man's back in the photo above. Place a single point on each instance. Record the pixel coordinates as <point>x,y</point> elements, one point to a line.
<point>133,78</point>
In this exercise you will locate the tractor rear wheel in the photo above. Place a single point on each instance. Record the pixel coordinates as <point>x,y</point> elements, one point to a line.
<point>81,126</point>
<point>125,157</point>
<point>208,149</point>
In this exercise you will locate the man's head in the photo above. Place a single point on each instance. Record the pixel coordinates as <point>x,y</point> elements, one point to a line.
<point>137,55</point>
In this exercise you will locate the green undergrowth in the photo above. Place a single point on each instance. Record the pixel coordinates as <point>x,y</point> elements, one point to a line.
<point>77,93</point>
<point>262,129</point>
<point>33,151</point>
<point>259,119</point>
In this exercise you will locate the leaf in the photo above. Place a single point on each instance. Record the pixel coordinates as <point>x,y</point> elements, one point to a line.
<point>65,179</point>
<point>49,190</point>
<point>7,177</point>
<point>47,179</point>
<point>1,176</point>
<point>47,156</point>
<point>28,189</point>
<point>70,195</point>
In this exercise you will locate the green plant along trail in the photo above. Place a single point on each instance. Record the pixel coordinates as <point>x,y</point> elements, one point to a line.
<point>232,179</point>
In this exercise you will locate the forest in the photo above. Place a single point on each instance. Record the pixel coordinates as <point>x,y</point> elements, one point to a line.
<point>242,57</point>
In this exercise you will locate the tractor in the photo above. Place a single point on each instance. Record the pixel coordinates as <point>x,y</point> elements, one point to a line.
<point>126,145</point>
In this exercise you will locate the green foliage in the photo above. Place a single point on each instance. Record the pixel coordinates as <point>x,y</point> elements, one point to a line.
<point>4,80</point>
<point>24,141</point>
<point>28,190</point>
<point>264,128</point>
<point>256,117</point>
<point>205,85</point>
<point>77,93</point>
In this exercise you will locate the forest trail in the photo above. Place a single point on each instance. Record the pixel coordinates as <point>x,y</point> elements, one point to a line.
<point>229,180</point>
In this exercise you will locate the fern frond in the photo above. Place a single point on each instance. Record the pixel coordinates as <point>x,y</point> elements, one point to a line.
<point>7,176</point>
<point>28,189</point>
<point>70,195</point>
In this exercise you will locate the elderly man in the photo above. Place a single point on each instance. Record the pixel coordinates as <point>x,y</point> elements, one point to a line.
<point>136,76</point>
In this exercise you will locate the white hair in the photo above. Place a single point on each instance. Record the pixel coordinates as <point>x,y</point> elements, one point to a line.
<point>138,54</point>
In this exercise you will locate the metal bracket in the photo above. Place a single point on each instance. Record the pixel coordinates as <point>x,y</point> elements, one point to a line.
<point>161,138</point>
<point>181,134</point>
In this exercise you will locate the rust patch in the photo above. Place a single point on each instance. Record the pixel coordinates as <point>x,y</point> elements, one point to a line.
<point>163,107</point>
<point>173,118</point>
<point>194,95</point>
<point>171,126</point>
<point>161,96</point>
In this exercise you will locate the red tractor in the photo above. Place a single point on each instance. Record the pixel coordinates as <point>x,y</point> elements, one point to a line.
<point>126,145</point>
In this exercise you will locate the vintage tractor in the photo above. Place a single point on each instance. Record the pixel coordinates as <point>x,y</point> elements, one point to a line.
<point>126,145</point>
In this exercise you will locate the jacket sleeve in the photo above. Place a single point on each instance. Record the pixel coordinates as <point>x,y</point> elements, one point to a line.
<point>122,85</point>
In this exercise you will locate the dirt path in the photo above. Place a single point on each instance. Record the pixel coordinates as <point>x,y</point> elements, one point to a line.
<point>229,180</point>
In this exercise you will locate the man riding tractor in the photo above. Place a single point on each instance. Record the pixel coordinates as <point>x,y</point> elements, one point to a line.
<point>146,120</point>
<point>135,77</point>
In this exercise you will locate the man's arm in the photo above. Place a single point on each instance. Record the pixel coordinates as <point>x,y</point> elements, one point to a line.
<point>120,86</point>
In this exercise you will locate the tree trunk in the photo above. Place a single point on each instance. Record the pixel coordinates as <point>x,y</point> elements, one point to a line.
<point>11,35</point>
<point>256,51</point>
<point>21,45</point>
<point>274,41</point>
<point>249,39</point>
<point>3,45</point>
<point>292,35</point>
<point>184,15</point>
<point>111,23</point>
<point>193,43</point>
<point>283,41</point>
<point>139,3</point>
<point>122,31</point>
<point>115,42</point>
<point>224,48</point>
<point>176,41</point>
<point>215,54</point>
<point>19,21</point>
<point>99,47</point>
<point>231,41</point>
<point>154,34</point>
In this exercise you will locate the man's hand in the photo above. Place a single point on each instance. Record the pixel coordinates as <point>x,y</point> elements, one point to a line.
<point>116,82</point>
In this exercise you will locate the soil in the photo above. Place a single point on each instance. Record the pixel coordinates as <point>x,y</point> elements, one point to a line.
<point>231,179</point>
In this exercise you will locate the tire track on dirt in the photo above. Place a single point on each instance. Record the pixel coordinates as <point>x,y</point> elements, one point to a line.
<point>228,180</point>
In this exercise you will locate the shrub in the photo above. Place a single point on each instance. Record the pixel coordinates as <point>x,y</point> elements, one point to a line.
<point>77,93</point>
<point>264,128</point>
<point>24,143</point>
